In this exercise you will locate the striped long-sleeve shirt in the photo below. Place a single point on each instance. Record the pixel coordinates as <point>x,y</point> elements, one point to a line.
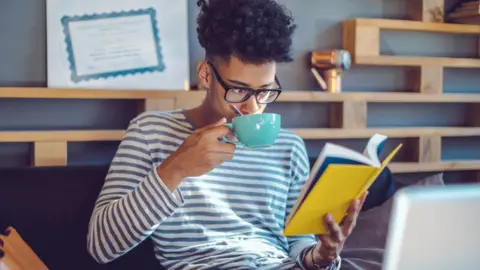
<point>229,218</point>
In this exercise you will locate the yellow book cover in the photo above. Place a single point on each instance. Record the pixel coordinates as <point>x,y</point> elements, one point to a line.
<point>339,176</point>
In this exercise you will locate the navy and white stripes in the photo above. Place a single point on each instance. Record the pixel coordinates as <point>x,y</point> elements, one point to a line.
<point>229,218</point>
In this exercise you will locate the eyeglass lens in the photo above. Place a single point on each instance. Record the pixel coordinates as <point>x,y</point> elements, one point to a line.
<point>240,95</point>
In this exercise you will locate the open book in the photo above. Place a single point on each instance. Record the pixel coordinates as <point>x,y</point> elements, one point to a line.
<point>339,176</point>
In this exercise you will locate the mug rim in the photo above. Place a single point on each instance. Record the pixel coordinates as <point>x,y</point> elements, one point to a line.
<point>253,114</point>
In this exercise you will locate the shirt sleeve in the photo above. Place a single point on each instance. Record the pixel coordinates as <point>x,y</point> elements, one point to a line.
<point>300,245</point>
<point>132,202</point>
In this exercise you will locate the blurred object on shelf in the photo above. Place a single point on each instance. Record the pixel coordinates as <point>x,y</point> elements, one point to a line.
<point>438,15</point>
<point>466,13</point>
<point>332,64</point>
<point>425,10</point>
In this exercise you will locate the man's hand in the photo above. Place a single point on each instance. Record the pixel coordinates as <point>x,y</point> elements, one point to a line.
<point>200,153</point>
<point>330,245</point>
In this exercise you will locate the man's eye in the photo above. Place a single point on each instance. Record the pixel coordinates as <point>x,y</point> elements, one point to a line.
<point>264,94</point>
<point>239,91</point>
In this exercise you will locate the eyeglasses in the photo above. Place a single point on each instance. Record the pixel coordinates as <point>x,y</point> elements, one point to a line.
<point>237,94</point>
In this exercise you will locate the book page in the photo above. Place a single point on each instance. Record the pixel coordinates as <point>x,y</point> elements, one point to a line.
<point>374,148</point>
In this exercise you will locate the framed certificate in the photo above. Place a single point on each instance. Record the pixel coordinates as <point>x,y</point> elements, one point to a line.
<point>132,44</point>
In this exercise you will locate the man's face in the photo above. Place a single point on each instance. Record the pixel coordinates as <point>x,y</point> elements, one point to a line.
<point>238,75</point>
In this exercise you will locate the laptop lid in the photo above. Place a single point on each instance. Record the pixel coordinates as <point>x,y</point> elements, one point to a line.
<point>434,228</point>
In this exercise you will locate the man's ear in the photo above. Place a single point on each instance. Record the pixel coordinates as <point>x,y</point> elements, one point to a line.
<point>204,76</point>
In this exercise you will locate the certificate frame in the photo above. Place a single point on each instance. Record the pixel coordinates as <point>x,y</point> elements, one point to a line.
<point>75,77</point>
<point>80,53</point>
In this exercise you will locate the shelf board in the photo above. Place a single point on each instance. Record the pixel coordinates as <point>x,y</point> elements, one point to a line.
<point>390,60</point>
<point>305,133</point>
<point>54,93</point>
<point>286,96</point>
<point>326,133</point>
<point>400,132</point>
<point>362,38</point>
<point>414,167</point>
<point>416,26</point>
<point>377,97</point>
<point>62,136</point>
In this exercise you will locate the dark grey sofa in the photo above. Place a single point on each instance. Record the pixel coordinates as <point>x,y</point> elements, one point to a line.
<point>50,207</point>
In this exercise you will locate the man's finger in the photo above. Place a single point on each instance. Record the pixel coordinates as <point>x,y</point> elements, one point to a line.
<point>349,220</point>
<point>335,231</point>
<point>328,248</point>
<point>216,132</point>
<point>224,148</point>
<point>363,198</point>
<point>231,137</point>
<point>327,242</point>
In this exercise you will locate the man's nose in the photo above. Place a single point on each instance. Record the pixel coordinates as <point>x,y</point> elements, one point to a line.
<point>249,106</point>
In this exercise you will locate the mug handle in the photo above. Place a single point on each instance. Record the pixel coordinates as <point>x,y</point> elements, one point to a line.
<point>224,139</point>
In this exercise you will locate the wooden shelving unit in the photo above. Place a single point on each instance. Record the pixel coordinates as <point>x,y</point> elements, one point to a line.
<point>362,38</point>
<point>348,121</point>
<point>348,111</point>
<point>196,96</point>
<point>305,133</point>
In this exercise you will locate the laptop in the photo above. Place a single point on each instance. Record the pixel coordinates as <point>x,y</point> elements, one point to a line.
<point>434,228</point>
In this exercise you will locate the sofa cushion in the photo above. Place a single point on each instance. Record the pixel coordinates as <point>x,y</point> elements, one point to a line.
<point>51,208</point>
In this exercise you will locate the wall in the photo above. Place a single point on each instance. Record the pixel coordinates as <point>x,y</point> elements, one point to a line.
<point>23,63</point>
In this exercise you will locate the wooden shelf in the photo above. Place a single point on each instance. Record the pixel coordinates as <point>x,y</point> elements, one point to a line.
<point>402,132</point>
<point>55,139</point>
<point>197,96</point>
<point>349,109</point>
<point>62,136</point>
<point>361,37</point>
<point>407,61</point>
<point>416,26</point>
<point>305,133</point>
<point>377,97</point>
<point>413,167</point>
<point>53,93</point>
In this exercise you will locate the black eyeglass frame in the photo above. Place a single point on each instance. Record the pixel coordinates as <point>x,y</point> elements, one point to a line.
<point>251,91</point>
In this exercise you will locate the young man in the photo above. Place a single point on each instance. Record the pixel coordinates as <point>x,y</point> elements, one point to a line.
<point>207,204</point>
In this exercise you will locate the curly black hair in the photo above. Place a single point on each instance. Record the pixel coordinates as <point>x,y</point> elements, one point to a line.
<point>255,31</point>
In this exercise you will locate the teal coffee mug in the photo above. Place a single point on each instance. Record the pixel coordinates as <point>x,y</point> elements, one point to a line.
<point>255,130</point>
